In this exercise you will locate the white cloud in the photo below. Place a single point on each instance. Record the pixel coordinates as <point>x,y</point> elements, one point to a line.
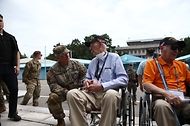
<point>43,23</point>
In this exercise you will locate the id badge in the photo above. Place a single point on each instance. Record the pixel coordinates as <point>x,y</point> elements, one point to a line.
<point>178,93</point>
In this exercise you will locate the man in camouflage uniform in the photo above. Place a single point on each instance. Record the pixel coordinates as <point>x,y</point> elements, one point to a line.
<point>66,74</point>
<point>2,100</point>
<point>132,84</point>
<point>30,77</point>
<point>3,91</point>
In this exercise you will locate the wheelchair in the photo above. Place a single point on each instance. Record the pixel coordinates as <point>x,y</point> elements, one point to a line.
<point>146,112</point>
<point>125,113</point>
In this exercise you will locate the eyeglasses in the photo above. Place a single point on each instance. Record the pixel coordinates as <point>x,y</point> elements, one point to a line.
<point>173,47</point>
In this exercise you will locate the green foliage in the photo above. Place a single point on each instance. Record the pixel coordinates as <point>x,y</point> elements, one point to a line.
<point>52,56</point>
<point>186,50</point>
<point>80,51</point>
<point>23,56</point>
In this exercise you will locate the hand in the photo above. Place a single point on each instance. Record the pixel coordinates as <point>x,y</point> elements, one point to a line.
<point>90,85</point>
<point>141,88</point>
<point>173,99</point>
<point>86,84</point>
<point>137,84</point>
<point>17,71</point>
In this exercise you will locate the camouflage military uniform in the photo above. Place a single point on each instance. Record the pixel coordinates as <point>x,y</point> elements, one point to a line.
<point>2,100</point>
<point>30,77</point>
<point>132,84</point>
<point>60,80</point>
<point>5,90</point>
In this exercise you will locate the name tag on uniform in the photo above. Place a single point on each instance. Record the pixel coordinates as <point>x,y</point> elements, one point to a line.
<point>178,93</point>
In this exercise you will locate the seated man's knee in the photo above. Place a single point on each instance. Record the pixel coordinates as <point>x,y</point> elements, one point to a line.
<point>160,105</point>
<point>112,95</point>
<point>71,93</point>
<point>53,99</point>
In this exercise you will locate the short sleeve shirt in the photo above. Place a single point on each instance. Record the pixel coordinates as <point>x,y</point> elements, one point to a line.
<point>176,75</point>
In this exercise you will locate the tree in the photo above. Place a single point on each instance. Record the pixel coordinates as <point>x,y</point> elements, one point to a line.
<point>187,48</point>
<point>80,51</point>
<point>23,56</point>
<point>52,56</point>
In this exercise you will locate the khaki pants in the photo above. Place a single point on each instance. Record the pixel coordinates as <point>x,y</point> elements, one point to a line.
<point>164,115</point>
<point>80,102</point>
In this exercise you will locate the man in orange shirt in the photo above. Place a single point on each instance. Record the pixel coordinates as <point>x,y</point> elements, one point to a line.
<point>176,75</point>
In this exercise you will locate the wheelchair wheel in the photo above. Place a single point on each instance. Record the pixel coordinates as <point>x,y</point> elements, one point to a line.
<point>144,117</point>
<point>131,111</point>
<point>144,113</point>
<point>141,113</point>
<point>124,110</point>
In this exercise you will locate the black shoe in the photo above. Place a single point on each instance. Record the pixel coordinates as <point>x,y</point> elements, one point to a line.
<point>15,117</point>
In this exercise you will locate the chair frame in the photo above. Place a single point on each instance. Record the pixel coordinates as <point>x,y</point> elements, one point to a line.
<point>125,113</point>
<point>146,111</point>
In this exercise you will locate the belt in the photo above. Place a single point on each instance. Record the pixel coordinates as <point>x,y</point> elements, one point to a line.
<point>4,63</point>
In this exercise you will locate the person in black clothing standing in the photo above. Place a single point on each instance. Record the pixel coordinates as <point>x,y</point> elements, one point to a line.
<point>9,68</point>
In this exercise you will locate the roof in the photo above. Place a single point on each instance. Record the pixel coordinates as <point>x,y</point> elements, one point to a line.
<point>184,58</point>
<point>84,61</point>
<point>49,63</point>
<point>126,59</point>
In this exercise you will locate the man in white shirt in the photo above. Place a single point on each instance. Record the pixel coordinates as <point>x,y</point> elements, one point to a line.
<point>104,77</point>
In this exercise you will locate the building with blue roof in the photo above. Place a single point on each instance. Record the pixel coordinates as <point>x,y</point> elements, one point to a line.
<point>45,66</point>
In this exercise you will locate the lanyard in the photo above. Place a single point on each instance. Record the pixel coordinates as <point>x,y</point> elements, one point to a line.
<point>175,70</point>
<point>97,68</point>
<point>165,85</point>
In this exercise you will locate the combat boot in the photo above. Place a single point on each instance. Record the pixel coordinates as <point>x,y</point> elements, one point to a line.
<point>23,102</point>
<point>2,108</point>
<point>35,103</point>
<point>61,122</point>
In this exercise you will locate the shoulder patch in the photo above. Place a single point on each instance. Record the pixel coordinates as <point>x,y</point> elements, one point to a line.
<point>49,74</point>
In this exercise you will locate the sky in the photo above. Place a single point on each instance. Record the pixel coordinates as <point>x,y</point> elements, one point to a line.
<point>41,24</point>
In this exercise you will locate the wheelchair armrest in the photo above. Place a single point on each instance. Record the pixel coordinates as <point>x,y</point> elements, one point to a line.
<point>148,92</point>
<point>187,90</point>
<point>186,100</point>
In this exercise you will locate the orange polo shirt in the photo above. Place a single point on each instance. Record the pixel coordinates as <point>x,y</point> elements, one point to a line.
<point>175,75</point>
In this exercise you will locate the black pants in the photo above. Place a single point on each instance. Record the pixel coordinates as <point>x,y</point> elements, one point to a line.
<point>8,75</point>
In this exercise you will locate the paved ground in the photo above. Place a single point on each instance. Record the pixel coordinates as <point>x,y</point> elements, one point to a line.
<point>40,116</point>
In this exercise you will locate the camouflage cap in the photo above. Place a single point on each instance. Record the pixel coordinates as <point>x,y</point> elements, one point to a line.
<point>61,50</point>
<point>130,64</point>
